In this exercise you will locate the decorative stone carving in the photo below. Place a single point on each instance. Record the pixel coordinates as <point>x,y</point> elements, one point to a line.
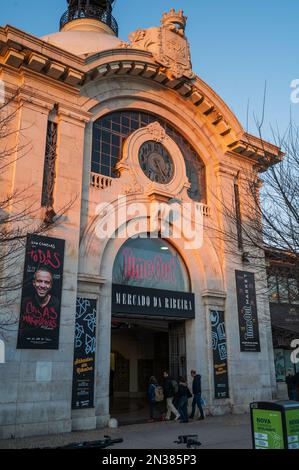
<point>168,44</point>
<point>133,179</point>
<point>175,22</point>
<point>134,187</point>
<point>157,131</point>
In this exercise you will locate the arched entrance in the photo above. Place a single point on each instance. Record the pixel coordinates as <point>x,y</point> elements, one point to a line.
<point>151,300</point>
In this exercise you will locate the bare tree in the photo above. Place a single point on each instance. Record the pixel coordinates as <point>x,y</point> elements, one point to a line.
<point>263,213</point>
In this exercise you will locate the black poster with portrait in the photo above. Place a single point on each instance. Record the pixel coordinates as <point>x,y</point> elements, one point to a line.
<point>84,354</point>
<point>41,294</point>
<point>219,345</point>
<point>247,310</point>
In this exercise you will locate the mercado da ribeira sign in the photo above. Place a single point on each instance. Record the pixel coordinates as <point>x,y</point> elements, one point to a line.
<point>150,278</point>
<point>128,299</point>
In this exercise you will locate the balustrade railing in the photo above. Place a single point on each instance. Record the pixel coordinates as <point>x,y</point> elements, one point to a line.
<point>103,15</point>
<point>99,181</point>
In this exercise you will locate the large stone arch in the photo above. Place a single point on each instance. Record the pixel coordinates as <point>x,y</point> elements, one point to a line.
<point>195,92</point>
<point>103,96</point>
<point>204,264</point>
<point>106,96</point>
<point>132,94</point>
<point>204,279</point>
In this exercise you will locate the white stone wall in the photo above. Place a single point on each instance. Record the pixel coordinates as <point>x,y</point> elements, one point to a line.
<point>36,386</point>
<point>212,268</point>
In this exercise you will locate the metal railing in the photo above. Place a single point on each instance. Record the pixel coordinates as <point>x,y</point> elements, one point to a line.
<point>104,16</point>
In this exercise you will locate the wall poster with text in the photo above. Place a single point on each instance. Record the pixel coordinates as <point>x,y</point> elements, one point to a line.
<point>247,310</point>
<point>219,345</point>
<point>41,294</point>
<point>84,354</point>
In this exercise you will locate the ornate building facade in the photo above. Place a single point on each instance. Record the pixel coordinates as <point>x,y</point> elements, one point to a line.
<point>112,123</point>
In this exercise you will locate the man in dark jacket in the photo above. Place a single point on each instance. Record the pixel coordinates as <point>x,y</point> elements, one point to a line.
<point>290,381</point>
<point>196,389</point>
<point>169,393</point>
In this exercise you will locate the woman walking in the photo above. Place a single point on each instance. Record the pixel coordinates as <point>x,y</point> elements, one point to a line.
<point>183,396</point>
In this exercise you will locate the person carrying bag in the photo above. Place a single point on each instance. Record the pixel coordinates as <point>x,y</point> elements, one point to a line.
<point>155,396</point>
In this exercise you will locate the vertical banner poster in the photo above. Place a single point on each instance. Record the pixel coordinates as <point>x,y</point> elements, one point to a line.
<point>84,354</point>
<point>41,294</point>
<point>247,311</point>
<point>219,345</point>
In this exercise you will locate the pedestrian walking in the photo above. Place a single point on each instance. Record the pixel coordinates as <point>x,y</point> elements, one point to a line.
<point>170,385</point>
<point>155,396</point>
<point>183,396</point>
<point>196,389</point>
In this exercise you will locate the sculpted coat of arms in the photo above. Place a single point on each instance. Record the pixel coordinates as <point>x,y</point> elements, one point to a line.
<point>168,44</point>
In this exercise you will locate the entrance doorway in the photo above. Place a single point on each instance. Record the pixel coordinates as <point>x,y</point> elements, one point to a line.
<point>141,348</point>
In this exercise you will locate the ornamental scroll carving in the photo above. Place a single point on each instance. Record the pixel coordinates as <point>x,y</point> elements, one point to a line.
<point>132,188</point>
<point>157,131</point>
<point>168,44</point>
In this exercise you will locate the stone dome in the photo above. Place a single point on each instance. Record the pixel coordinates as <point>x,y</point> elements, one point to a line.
<point>84,37</point>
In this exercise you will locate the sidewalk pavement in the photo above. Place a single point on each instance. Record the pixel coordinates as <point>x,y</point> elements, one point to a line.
<point>221,432</point>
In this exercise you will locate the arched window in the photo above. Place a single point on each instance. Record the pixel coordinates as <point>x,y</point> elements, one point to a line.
<point>110,132</point>
<point>151,263</point>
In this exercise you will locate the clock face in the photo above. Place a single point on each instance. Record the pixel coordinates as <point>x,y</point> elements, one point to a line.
<point>156,162</point>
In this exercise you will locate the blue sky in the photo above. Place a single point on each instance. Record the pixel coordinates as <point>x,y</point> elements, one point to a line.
<point>236,46</point>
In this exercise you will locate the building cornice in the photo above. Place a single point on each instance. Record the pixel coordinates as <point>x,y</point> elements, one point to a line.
<point>263,153</point>
<point>25,52</point>
<point>88,279</point>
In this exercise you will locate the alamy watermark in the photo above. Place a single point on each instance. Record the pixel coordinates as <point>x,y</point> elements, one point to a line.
<point>295,92</point>
<point>295,353</point>
<point>2,352</point>
<point>175,220</point>
<point>2,92</point>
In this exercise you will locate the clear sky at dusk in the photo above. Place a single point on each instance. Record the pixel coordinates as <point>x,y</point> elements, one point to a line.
<point>236,45</point>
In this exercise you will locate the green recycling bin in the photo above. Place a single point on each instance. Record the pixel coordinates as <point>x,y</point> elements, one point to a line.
<point>275,425</point>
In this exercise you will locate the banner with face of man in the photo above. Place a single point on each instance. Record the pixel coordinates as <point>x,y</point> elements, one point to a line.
<point>41,294</point>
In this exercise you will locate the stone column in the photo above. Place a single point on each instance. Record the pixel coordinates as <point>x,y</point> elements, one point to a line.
<point>103,356</point>
<point>89,287</point>
<point>214,300</point>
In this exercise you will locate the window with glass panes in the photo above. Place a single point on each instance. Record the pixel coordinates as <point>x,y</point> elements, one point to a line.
<point>110,132</point>
<point>283,288</point>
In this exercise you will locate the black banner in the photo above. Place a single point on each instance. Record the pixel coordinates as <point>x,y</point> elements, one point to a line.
<point>84,354</point>
<point>41,294</point>
<point>247,309</point>
<point>219,345</point>
<point>152,302</point>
